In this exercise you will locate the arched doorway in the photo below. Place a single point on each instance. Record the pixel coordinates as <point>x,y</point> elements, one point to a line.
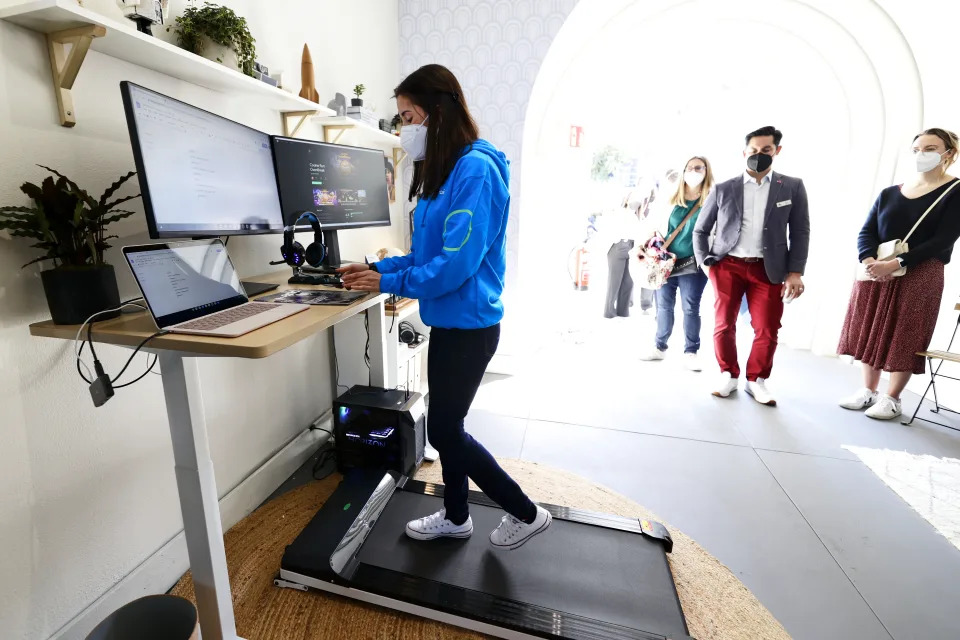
<point>671,78</point>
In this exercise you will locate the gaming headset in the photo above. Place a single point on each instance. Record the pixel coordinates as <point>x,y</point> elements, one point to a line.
<point>293,252</point>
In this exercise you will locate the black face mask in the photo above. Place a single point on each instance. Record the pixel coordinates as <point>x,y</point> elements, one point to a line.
<point>759,162</point>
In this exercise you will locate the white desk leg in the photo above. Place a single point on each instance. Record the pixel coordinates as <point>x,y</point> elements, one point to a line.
<point>198,495</point>
<point>378,347</point>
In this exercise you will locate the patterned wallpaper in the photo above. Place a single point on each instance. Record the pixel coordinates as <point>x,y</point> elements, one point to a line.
<point>495,48</point>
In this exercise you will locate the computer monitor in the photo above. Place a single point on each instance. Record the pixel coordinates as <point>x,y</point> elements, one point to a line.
<point>200,174</point>
<point>345,187</point>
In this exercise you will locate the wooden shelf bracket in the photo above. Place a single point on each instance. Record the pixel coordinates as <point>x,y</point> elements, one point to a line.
<point>329,129</point>
<point>399,155</point>
<point>66,66</point>
<point>303,115</point>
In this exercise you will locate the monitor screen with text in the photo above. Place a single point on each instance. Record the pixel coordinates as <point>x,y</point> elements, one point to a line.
<point>346,187</point>
<point>200,174</point>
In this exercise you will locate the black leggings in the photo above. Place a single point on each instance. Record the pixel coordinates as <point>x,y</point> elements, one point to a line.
<point>456,361</point>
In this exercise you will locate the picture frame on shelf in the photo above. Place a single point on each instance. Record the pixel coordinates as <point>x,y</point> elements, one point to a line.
<point>391,176</point>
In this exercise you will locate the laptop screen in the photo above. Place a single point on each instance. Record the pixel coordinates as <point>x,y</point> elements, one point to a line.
<point>185,280</point>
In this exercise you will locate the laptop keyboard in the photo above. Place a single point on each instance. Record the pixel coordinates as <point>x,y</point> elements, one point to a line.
<point>223,318</point>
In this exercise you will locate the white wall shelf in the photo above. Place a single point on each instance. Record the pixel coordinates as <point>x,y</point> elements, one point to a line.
<point>335,126</point>
<point>54,17</point>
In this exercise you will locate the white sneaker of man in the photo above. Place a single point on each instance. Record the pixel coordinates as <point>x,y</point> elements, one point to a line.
<point>860,400</point>
<point>436,526</point>
<point>726,385</point>
<point>512,533</point>
<point>886,408</point>
<point>653,354</point>
<point>692,362</point>
<point>758,389</point>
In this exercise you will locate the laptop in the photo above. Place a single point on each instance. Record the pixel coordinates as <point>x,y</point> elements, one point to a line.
<point>192,287</point>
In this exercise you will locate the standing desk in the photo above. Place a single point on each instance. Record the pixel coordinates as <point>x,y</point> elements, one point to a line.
<point>193,466</point>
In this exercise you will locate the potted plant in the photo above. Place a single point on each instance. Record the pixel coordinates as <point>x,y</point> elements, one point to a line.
<point>69,226</point>
<point>357,91</point>
<point>217,33</point>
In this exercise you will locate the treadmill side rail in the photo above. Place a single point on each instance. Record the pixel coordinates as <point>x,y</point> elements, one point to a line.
<point>343,558</point>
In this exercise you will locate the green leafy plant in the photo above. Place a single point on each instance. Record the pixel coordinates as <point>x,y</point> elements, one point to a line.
<point>605,163</point>
<point>68,223</point>
<point>358,90</point>
<point>222,26</point>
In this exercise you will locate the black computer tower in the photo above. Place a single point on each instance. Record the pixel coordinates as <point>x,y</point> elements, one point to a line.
<point>378,428</point>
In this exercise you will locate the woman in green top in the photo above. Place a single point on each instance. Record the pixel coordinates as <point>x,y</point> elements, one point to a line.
<point>690,195</point>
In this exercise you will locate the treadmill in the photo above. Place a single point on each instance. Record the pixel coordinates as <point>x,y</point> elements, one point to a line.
<point>588,577</point>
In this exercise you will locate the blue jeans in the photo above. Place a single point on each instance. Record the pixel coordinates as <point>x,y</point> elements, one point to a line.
<point>691,288</point>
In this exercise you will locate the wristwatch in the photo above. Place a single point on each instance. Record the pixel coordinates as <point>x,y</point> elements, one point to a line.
<point>373,267</point>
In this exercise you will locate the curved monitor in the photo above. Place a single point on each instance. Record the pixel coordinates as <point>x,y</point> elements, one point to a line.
<point>200,174</point>
<point>344,186</point>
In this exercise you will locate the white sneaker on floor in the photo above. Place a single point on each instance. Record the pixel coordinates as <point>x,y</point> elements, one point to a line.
<point>758,389</point>
<point>653,354</point>
<point>512,532</point>
<point>692,362</point>
<point>886,408</point>
<point>860,400</point>
<point>436,525</point>
<point>726,385</point>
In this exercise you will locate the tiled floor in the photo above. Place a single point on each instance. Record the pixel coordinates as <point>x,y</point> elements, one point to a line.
<point>824,544</point>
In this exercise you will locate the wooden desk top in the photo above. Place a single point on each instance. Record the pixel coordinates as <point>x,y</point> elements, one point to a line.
<point>130,328</point>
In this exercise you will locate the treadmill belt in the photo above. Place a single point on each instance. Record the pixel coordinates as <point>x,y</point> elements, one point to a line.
<point>594,572</point>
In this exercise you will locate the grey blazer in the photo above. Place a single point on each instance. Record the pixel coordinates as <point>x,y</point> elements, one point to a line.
<point>786,226</point>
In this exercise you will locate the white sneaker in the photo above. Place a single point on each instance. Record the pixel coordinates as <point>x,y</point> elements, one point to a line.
<point>758,389</point>
<point>886,408</point>
<point>860,400</point>
<point>726,385</point>
<point>653,354</point>
<point>512,532</point>
<point>692,362</point>
<point>437,526</point>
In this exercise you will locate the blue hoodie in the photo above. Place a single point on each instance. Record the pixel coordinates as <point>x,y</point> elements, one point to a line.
<point>457,266</point>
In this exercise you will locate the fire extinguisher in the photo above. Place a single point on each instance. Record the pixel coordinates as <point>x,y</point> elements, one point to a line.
<point>578,266</point>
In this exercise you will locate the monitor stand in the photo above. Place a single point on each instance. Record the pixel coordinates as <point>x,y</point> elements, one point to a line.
<point>331,262</point>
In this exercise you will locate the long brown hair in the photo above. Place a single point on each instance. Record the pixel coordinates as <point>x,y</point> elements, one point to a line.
<point>680,197</point>
<point>450,127</point>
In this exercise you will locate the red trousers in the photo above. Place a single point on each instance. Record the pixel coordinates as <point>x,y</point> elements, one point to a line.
<point>732,278</point>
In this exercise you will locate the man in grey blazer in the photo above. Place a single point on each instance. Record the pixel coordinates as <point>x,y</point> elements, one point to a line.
<point>753,236</point>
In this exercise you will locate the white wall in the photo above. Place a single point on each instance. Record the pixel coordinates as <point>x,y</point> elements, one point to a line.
<point>87,494</point>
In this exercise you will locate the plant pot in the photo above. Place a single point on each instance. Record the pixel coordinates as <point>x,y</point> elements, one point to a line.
<point>75,294</point>
<point>159,617</point>
<point>356,102</point>
<point>221,54</point>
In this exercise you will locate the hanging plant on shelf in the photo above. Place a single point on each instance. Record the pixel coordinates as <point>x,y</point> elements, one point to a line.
<point>197,28</point>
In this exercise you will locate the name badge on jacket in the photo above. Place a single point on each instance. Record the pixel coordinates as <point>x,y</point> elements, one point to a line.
<point>784,203</point>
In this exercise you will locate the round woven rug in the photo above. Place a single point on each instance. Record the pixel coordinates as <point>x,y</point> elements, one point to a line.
<point>716,604</point>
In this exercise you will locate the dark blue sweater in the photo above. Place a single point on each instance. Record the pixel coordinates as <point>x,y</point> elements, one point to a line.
<point>893,215</point>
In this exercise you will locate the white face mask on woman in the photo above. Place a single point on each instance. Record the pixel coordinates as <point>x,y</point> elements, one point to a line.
<point>927,160</point>
<point>693,178</point>
<point>413,139</point>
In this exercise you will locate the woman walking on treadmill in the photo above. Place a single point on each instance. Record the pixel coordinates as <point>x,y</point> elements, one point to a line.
<point>456,270</point>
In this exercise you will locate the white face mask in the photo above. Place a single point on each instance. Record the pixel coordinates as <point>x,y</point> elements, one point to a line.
<point>693,178</point>
<point>413,139</point>
<point>927,160</point>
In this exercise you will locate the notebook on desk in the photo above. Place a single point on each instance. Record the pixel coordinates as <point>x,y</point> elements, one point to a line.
<point>192,287</point>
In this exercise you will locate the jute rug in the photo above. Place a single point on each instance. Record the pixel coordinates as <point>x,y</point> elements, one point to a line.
<point>716,604</point>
